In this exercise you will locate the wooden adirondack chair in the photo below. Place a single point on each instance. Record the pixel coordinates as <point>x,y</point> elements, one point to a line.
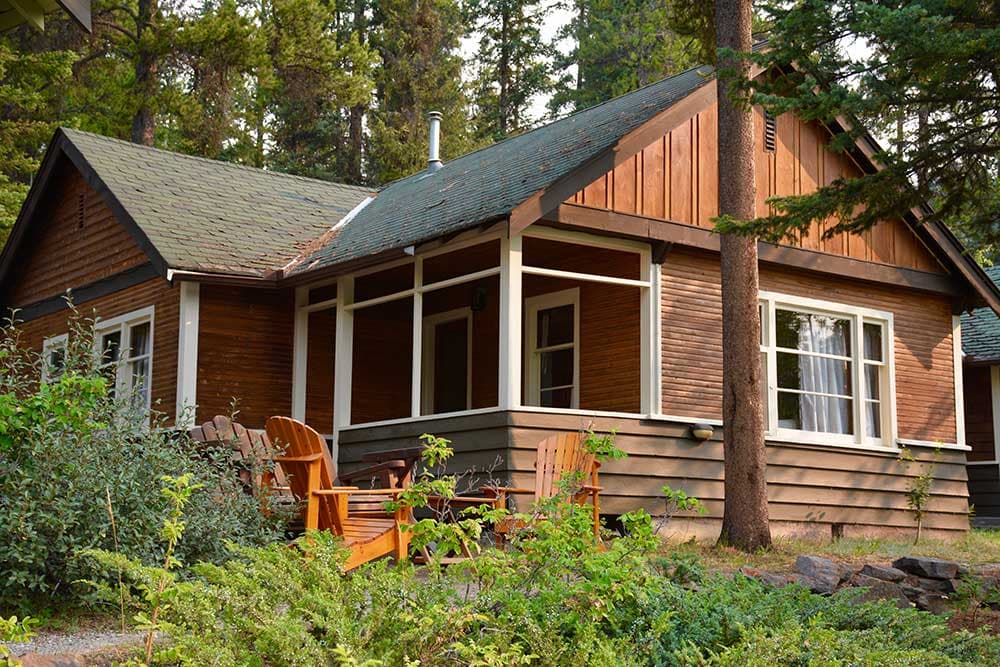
<point>311,474</point>
<point>557,456</point>
<point>248,445</point>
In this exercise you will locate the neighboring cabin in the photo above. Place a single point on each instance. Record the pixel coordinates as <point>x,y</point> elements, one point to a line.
<point>563,278</point>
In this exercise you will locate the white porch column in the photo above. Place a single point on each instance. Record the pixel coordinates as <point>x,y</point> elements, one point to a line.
<point>418,331</point>
<point>300,351</point>
<point>956,342</point>
<point>650,348</point>
<point>510,322</point>
<point>344,360</point>
<point>187,354</point>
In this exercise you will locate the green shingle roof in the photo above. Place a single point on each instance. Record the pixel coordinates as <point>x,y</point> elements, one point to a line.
<point>212,216</point>
<point>981,329</point>
<point>489,183</point>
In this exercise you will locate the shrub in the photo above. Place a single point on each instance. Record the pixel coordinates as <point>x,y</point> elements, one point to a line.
<point>72,453</point>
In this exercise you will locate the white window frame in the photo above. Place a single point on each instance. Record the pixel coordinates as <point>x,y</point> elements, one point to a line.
<point>124,324</point>
<point>858,316</point>
<point>60,341</point>
<point>430,325</point>
<point>532,369</point>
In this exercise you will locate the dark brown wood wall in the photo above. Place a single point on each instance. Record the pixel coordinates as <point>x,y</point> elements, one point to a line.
<point>978,399</point>
<point>320,370</point>
<point>75,241</point>
<point>166,304</point>
<point>692,341</point>
<point>245,353</point>
<point>676,178</point>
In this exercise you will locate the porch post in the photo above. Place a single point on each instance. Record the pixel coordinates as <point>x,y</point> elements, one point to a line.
<point>187,354</point>
<point>343,360</point>
<point>650,324</point>
<point>300,351</point>
<point>418,331</point>
<point>510,322</point>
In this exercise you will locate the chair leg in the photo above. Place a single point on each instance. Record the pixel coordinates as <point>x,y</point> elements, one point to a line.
<point>312,503</point>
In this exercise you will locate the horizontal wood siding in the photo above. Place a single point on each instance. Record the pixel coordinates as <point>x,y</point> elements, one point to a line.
<point>75,241</point>
<point>978,401</point>
<point>984,489</point>
<point>383,353</point>
<point>809,487</point>
<point>245,353</point>
<point>166,303</point>
<point>320,369</point>
<point>692,341</point>
<point>676,178</point>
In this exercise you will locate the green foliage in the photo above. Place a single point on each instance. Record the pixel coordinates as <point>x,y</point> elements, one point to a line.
<point>918,489</point>
<point>13,630</point>
<point>67,445</point>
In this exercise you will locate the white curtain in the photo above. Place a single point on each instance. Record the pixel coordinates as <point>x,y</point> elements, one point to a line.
<point>822,375</point>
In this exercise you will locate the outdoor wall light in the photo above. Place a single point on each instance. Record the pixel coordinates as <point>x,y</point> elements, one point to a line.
<point>702,432</point>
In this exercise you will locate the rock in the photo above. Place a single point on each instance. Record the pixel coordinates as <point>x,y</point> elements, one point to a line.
<point>931,568</point>
<point>935,603</point>
<point>944,586</point>
<point>886,590</point>
<point>883,572</point>
<point>66,660</point>
<point>820,575</point>
<point>911,592</point>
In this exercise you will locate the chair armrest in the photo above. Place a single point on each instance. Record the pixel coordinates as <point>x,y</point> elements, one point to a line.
<point>353,490</point>
<point>591,487</point>
<point>504,489</point>
<point>371,471</point>
<point>308,458</point>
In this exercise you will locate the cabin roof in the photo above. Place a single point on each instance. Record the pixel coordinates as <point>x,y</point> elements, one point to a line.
<point>488,184</point>
<point>981,329</point>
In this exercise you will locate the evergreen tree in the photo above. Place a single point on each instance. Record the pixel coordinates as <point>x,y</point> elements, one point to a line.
<point>512,64</point>
<point>618,46</point>
<point>417,42</point>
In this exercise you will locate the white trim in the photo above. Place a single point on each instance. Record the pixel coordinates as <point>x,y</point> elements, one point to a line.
<point>647,317</point>
<point>125,323</point>
<point>62,340</point>
<point>343,360</point>
<point>187,354</point>
<point>995,402</point>
<point>930,444</point>
<point>782,438</point>
<point>300,353</point>
<point>417,349</point>
<point>956,343</point>
<point>101,325</point>
<point>586,277</point>
<point>510,322</point>
<point>318,306</point>
<point>429,336</point>
<point>532,306</point>
<point>582,238</point>
<point>421,418</point>
<point>423,289</point>
<point>656,294</point>
<point>982,463</point>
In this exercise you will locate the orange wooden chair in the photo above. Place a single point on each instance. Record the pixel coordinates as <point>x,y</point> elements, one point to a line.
<point>310,473</point>
<point>250,447</point>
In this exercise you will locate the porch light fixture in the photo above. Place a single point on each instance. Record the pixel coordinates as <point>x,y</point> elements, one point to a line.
<point>702,432</point>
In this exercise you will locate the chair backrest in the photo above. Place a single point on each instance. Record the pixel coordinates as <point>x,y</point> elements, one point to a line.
<point>250,445</point>
<point>296,439</point>
<point>557,456</point>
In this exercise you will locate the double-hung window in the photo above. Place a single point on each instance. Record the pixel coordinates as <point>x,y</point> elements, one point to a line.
<point>828,371</point>
<point>54,357</point>
<point>126,347</point>
<point>552,349</point>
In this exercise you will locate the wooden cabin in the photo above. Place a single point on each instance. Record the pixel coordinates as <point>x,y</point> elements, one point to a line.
<point>563,279</point>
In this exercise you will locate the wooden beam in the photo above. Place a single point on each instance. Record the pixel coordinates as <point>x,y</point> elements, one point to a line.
<point>30,11</point>
<point>652,230</point>
<point>300,353</point>
<point>510,322</point>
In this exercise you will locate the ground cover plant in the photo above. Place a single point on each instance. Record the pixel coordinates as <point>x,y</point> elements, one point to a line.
<point>81,467</point>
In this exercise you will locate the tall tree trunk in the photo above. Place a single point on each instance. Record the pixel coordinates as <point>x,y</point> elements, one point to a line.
<point>744,522</point>
<point>147,68</point>
<point>503,119</point>
<point>356,120</point>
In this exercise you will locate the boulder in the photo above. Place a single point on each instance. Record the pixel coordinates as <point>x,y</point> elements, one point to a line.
<point>879,589</point>
<point>38,660</point>
<point>930,568</point>
<point>936,603</point>
<point>883,572</point>
<point>820,575</point>
<point>944,586</point>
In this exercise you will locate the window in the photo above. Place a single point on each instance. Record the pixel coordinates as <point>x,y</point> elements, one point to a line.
<point>53,358</point>
<point>827,370</point>
<point>552,351</point>
<point>125,345</point>
<point>447,362</point>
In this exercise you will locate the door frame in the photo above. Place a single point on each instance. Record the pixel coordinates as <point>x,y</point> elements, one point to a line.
<point>427,363</point>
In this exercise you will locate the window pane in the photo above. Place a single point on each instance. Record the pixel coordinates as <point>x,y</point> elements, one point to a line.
<point>557,398</point>
<point>873,428</point>
<point>56,361</point>
<point>873,341</point>
<point>555,326</point>
<point>815,374</point>
<point>763,389</point>
<point>819,414</point>
<point>556,368</point>
<point>814,333</point>
<point>111,344</point>
<point>140,381</point>
<point>139,342</point>
<point>873,377</point>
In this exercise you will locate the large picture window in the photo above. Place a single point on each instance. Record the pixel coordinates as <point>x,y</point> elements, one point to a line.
<point>827,370</point>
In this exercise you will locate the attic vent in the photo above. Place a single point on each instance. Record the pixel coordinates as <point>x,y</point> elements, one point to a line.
<point>770,132</point>
<point>80,211</point>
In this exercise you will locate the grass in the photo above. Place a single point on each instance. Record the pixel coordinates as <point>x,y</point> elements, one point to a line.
<point>977,547</point>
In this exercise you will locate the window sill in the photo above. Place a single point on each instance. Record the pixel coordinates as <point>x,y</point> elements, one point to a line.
<point>819,442</point>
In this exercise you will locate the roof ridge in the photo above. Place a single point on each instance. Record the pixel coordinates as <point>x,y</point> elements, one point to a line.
<point>222,163</point>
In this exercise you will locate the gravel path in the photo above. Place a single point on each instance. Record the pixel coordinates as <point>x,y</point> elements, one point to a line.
<point>74,643</point>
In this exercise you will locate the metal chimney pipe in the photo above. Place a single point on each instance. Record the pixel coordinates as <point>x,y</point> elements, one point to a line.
<point>434,144</point>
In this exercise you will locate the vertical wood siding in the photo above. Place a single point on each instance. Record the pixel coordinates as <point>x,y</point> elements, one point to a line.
<point>676,178</point>
<point>692,341</point>
<point>166,302</point>
<point>245,353</point>
<point>320,370</point>
<point>76,240</point>
<point>978,412</point>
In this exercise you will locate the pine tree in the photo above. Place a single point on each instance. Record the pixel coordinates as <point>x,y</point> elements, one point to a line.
<point>512,64</point>
<point>618,46</point>
<point>417,42</point>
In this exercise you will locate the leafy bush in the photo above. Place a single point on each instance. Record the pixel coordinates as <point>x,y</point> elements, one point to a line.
<point>73,454</point>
